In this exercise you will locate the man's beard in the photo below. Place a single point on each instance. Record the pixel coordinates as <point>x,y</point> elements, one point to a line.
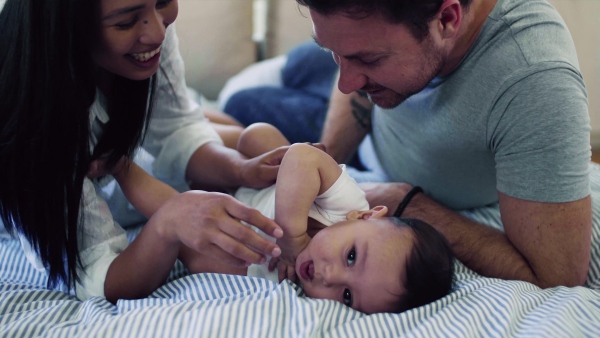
<point>393,99</point>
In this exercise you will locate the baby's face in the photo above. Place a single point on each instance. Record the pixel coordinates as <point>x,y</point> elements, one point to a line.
<point>360,263</point>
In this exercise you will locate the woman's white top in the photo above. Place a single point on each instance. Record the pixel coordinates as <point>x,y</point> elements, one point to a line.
<point>177,129</point>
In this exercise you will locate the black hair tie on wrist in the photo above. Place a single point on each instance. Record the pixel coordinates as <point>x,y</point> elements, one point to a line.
<point>404,203</point>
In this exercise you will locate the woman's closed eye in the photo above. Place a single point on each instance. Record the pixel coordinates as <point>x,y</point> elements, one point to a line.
<point>128,24</point>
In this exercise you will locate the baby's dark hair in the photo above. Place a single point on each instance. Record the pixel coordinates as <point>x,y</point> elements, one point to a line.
<point>429,266</point>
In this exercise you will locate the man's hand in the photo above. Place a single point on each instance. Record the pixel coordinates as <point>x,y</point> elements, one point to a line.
<point>388,194</point>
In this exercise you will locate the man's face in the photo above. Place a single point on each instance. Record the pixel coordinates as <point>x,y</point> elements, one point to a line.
<point>360,263</point>
<point>382,59</point>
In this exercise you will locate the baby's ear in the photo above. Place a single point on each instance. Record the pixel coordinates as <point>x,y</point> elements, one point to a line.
<point>377,212</point>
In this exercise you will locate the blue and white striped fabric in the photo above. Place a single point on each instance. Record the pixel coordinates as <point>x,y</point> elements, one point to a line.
<point>211,305</point>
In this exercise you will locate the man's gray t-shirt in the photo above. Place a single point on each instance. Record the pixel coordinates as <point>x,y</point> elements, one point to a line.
<point>513,117</point>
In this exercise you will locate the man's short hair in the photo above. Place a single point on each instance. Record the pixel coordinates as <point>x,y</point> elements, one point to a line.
<point>416,14</point>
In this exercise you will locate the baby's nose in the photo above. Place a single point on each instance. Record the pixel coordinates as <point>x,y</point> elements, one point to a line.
<point>331,275</point>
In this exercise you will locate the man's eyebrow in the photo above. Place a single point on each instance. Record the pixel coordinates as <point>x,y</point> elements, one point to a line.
<point>355,56</point>
<point>121,11</point>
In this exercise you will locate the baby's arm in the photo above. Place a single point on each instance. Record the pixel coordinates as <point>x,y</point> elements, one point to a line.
<point>305,173</point>
<point>143,191</point>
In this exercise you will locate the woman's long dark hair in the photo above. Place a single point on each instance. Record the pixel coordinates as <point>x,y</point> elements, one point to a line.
<point>47,85</point>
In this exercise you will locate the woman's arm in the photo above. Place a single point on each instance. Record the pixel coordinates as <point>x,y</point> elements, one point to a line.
<point>209,223</point>
<point>143,191</point>
<point>215,164</point>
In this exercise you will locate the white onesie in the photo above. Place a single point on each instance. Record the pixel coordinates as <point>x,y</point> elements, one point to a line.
<point>330,207</point>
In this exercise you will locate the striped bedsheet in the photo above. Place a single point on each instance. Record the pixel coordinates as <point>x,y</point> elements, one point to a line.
<point>212,305</point>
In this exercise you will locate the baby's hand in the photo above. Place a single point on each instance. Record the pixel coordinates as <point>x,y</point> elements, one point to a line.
<point>283,270</point>
<point>291,247</point>
<point>286,262</point>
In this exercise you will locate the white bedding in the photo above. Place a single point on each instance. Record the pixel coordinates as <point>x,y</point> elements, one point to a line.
<point>211,305</point>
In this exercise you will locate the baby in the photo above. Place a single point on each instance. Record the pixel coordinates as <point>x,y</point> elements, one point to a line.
<point>334,245</point>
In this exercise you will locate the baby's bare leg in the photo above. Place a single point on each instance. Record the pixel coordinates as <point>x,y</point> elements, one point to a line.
<point>259,138</point>
<point>228,128</point>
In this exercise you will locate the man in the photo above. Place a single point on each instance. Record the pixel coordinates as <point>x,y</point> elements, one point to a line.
<point>478,102</point>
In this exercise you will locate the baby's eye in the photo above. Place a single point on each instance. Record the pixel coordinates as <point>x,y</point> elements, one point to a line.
<point>351,259</point>
<point>347,298</point>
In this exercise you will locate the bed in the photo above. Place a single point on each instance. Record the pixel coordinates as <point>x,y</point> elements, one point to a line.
<point>213,305</point>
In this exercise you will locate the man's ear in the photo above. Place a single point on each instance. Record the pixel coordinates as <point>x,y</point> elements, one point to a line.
<point>377,212</point>
<point>449,18</point>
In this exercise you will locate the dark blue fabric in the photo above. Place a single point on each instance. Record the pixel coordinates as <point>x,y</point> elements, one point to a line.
<point>310,69</point>
<point>299,107</point>
<point>297,114</point>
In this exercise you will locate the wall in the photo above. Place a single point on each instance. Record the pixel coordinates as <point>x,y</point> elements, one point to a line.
<point>215,39</point>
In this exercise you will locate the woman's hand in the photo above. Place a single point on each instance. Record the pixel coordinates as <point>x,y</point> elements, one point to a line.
<point>210,223</point>
<point>261,171</point>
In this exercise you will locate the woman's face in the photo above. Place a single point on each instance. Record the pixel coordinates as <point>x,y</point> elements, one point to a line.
<point>131,35</point>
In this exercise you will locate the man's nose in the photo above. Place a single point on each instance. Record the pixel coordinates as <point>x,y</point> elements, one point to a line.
<point>351,78</point>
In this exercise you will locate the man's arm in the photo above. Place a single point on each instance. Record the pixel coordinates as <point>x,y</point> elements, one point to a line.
<point>547,244</point>
<point>348,122</point>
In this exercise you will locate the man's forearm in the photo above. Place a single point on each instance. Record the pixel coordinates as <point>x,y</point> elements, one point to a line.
<point>483,249</point>
<point>547,244</point>
<point>348,121</point>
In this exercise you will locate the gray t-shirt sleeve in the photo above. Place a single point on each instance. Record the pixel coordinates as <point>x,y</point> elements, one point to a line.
<point>539,130</point>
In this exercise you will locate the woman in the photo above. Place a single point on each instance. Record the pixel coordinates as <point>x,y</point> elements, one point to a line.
<point>78,82</point>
